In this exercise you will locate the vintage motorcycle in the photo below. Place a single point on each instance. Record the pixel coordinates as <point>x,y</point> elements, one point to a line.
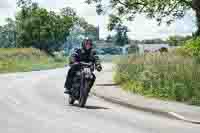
<point>81,84</point>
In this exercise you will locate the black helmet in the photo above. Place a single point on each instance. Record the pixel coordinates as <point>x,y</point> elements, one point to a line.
<point>87,40</point>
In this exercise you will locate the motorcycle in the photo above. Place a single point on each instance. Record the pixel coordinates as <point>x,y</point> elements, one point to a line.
<point>81,84</point>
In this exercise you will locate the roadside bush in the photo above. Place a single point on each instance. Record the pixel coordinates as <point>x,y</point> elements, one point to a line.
<point>193,45</point>
<point>174,75</point>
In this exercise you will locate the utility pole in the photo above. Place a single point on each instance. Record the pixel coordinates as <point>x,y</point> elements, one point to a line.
<point>98,33</point>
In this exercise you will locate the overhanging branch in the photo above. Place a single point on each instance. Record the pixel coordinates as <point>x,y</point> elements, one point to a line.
<point>126,5</point>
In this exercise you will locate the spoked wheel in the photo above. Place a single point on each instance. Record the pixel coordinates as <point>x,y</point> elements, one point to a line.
<point>71,100</point>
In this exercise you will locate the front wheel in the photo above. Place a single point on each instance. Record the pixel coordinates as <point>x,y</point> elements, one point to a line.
<point>83,94</point>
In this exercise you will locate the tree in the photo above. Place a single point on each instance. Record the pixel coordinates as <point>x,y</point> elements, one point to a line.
<point>42,29</point>
<point>177,40</point>
<point>8,34</point>
<point>196,7</point>
<point>24,5</point>
<point>80,29</point>
<point>109,38</point>
<point>121,36</point>
<point>90,30</point>
<point>68,11</point>
<point>161,10</point>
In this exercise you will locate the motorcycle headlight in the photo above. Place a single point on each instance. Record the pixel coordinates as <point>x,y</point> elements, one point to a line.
<point>87,76</point>
<point>91,77</point>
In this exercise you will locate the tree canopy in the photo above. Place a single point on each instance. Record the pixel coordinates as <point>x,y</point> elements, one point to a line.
<point>8,34</point>
<point>121,37</point>
<point>160,10</point>
<point>37,27</point>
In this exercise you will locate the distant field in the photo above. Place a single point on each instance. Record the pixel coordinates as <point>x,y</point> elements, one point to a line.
<point>28,59</point>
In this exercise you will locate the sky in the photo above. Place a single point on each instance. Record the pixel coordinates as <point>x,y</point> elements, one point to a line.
<point>140,28</point>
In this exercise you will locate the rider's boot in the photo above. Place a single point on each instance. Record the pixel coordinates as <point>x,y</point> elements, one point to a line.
<point>67,89</point>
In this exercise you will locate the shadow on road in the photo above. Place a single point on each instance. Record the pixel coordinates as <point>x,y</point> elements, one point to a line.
<point>95,107</point>
<point>107,84</point>
<point>91,107</point>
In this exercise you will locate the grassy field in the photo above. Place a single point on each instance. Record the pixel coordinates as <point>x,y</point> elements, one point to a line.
<point>27,59</point>
<point>169,76</point>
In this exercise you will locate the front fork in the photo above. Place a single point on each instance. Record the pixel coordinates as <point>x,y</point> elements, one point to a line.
<point>82,86</point>
<point>86,85</point>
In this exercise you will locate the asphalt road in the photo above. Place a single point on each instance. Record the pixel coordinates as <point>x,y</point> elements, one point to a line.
<point>33,102</point>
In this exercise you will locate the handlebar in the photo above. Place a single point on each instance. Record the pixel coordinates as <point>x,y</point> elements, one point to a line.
<point>82,63</point>
<point>86,64</point>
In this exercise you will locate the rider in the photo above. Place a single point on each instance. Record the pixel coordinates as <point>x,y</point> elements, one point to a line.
<point>85,54</point>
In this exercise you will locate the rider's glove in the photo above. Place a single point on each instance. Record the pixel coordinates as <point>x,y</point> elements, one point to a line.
<point>99,68</point>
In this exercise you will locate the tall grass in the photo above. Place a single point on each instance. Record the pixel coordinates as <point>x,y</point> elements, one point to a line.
<point>173,75</point>
<point>27,59</point>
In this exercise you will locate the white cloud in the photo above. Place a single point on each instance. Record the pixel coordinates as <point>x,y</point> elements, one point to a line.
<point>141,28</point>
<point>7,9</point>
<point>4,4</point>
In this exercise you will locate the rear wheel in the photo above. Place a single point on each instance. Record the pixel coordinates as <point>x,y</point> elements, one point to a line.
<point>71,100</point>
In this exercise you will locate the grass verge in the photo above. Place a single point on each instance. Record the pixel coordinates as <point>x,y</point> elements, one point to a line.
<point>169,76</point>
<point>28,59</point>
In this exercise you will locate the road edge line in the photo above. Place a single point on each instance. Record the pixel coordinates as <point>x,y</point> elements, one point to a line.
<point>171,115</point>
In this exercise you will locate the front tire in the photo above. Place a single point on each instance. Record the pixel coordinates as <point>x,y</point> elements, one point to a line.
<point>84,95</point>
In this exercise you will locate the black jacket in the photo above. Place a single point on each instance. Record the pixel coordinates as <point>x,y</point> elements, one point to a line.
<point>85,56</point>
